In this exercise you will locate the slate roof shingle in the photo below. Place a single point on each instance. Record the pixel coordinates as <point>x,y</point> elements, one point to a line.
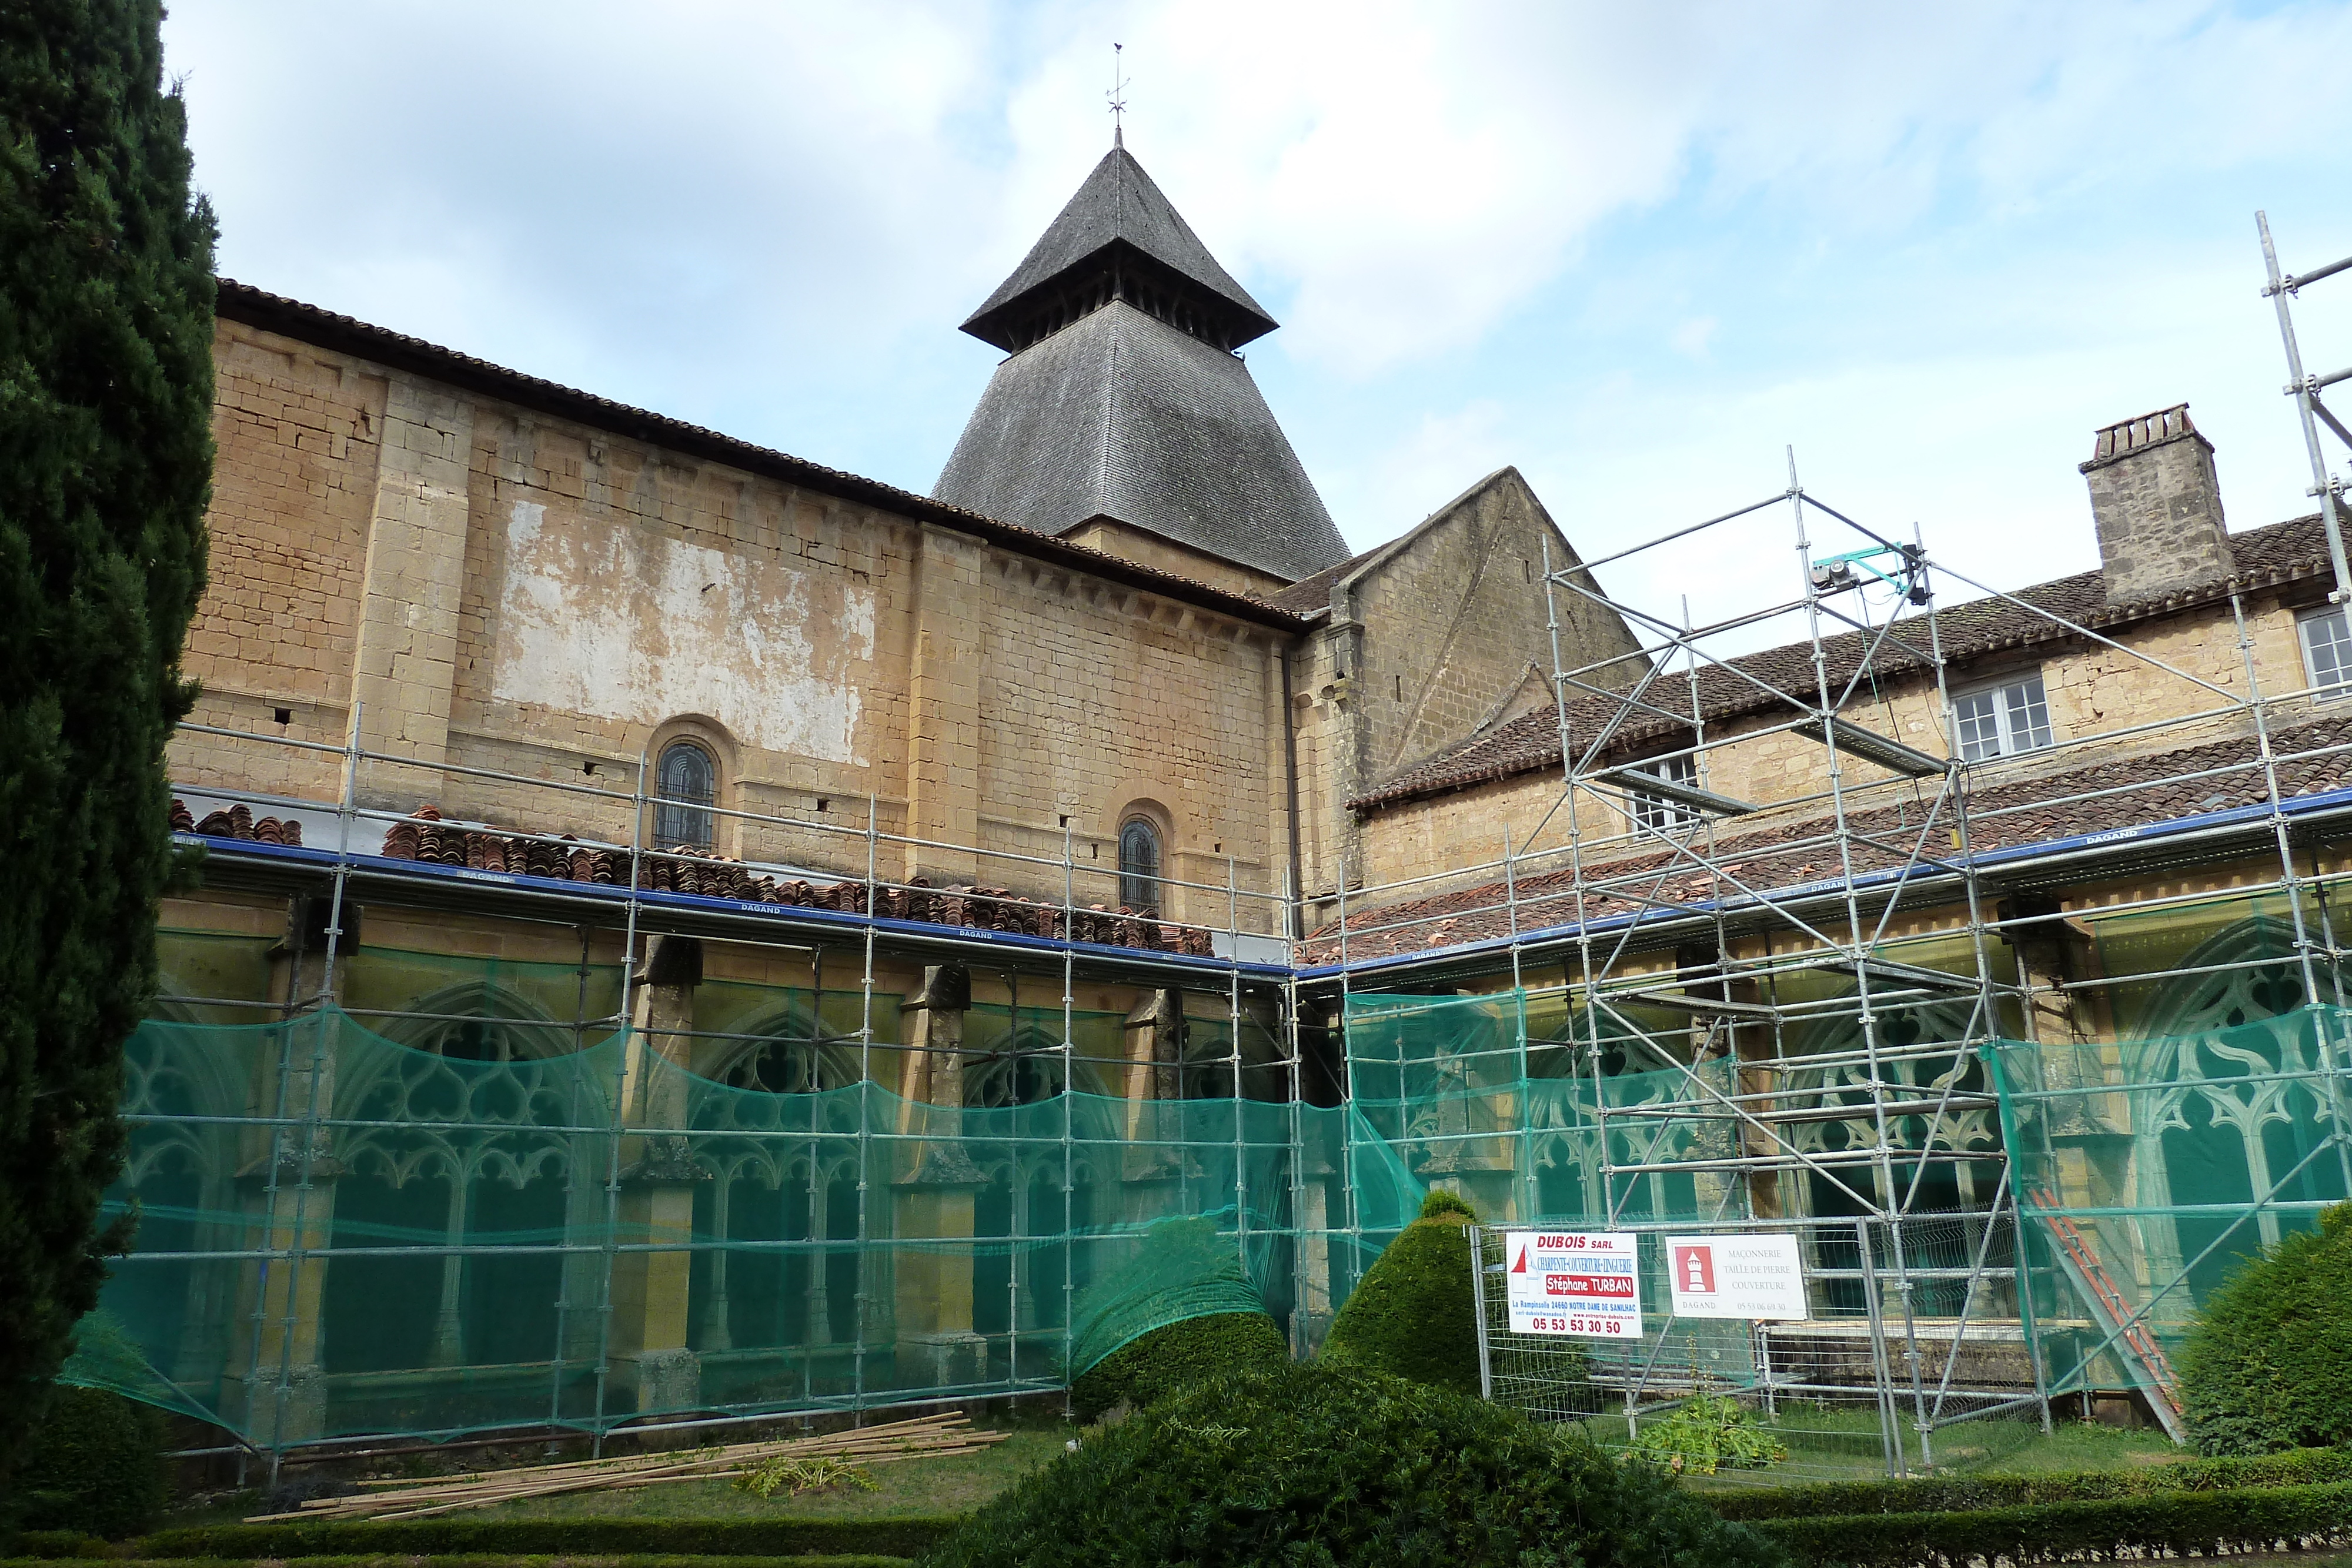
<point>1117,204</point>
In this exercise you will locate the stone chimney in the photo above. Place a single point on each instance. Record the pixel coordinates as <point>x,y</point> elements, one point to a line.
<point>2157,507</point>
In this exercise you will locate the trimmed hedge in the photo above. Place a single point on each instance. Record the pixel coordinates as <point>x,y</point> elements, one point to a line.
<point>1953,1494</point>
<point>95,1468</point>
<point>1325,1464</point>
<point>446,1537</point>
<point>2180,1521</point>
<point>2269,1365</point>
<point>1413,1314</point>
<point>1184,1351</point>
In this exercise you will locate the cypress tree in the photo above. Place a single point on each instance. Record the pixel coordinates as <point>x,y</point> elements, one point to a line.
<point>106,309</point>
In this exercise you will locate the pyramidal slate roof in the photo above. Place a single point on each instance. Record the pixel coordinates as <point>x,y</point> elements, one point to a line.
<point>1123,399</point>
<point>1119,209</point>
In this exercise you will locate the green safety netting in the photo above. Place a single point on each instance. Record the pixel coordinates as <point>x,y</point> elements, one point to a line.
<point>1498,1095</point>
<point>482,1225</point>
<point>427,1223</point>
<point>2149,1170</point>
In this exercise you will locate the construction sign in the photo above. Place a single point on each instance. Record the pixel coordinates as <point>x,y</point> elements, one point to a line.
<point>1573,1282</point>
<point>1758,1277</point>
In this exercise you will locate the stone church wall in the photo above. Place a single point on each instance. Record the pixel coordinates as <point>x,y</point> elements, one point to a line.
<point>523,594</point>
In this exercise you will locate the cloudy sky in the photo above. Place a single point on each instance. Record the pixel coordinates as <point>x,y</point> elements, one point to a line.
<point>1636,250</point>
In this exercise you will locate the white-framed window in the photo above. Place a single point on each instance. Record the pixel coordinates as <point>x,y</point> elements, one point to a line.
<point>2327,649</point>
<point>1656,811</point>
<point>2003,719</point>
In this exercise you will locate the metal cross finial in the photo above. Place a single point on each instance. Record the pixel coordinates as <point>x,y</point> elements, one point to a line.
<point>1117,96</point>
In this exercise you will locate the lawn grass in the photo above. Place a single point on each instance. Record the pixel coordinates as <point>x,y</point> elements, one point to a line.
<point>1844,1444</point>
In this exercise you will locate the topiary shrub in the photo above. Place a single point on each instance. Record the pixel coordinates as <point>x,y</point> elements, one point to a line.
<point>96,1466</point>
<point>1413,1312</point>
<point>1183,1353</point>
<point>1332,1464</point>
<point>2269,1365</point>
<point>1441,1202</point>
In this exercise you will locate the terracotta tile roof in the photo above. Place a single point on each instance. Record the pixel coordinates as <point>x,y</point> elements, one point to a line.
<point>1312,595</point>
<point>2163,786</point>
<point>2264,556</point>
<point>424,836</point>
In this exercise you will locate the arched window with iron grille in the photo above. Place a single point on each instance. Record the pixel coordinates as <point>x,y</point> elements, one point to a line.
<point>1139,864</point>
<point>687,781</point>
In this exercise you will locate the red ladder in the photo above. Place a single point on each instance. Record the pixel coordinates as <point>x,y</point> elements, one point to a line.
<point>2111,1304</point>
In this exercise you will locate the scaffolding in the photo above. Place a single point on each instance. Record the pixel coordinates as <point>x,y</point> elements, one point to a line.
<point>2282,289</point>
<point>1847,1011</point>
<point>244,1119</point>
<point>1819,940</point>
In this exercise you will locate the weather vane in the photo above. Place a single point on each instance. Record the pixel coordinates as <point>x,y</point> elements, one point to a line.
<point>1117,96</point>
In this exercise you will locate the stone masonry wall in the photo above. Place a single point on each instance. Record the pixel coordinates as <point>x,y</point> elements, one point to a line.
<point>2159,513</point>
<point>2092,690</point>
<point>1442,636</point>
<point>509,591</point>
<point>293,495</point>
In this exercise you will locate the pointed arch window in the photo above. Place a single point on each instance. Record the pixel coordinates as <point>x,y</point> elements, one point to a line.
<point>1139,864</point>
<point>687,783</point>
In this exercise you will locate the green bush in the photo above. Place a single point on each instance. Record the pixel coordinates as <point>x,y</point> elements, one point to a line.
<point>2181,1524</point>
<point>1332,1464</point>
<point>1441,1202</point>
<point>1182,1273</point>
<point>2269,1366</point>
<point>1169,1358</point>
<point>458,1536</point>
<point>1952,1494</point>
<point>96,1466</point>
<point>1411,1313</point>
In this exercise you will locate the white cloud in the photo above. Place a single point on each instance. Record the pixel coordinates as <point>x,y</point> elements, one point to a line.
<point>1691,338</point>
<point>1941,245</point>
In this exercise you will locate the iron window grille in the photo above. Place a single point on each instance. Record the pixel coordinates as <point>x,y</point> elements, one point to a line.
<point>1139,864</point>
<point>687,781</point>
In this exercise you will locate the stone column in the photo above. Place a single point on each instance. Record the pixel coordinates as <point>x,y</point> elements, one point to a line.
<point>1725,1134</point>
<point>287,1174</point>
<point>934,1196</point>
<point>658,1177</point>
<point>1154,1089</point>
<point>943,707</point>
<point>405,662</point>
<point>2089,1130</point>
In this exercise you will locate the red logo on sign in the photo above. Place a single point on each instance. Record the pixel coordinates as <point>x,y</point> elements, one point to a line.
<point>1521,1266</point>
<point>1695,1270</point>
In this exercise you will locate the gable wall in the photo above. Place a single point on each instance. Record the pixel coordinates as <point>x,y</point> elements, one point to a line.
<point>1434,639</point>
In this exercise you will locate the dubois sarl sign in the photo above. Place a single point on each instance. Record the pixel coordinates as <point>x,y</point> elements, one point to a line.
<point>1573,1282</point>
